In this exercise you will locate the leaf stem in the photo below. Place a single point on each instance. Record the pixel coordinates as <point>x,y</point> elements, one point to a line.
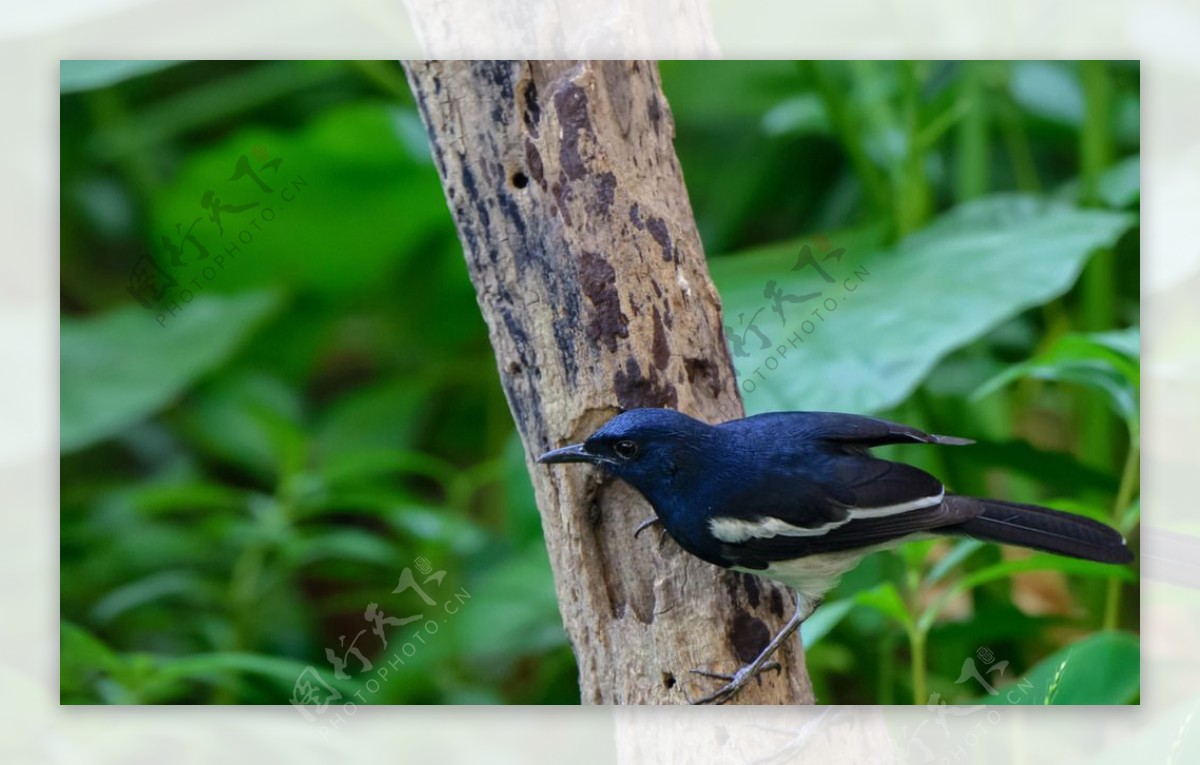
<point>846,127</point>
<point>971,145</point>
<point>916,641</point>
<point>917,634</point>
<point>1129,482</point>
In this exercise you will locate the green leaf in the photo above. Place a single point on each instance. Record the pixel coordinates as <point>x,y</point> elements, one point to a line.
<point>199,497</point>
<point>149,590</point>
<point>314,210</point>
<point>88,668</point>
<point>252,420</point>
<point>1043,562</point>
<point>123,366</point>
<point>824,619</point>
<point>962,550</point>
<point>374,417</point>
<point>1104,361</point>
<point>82,651</point>
<point>1127,342</point>
<point>1050,90</point>
<point>208,666</point>
<point>897,313</point>
<point>344,544</point>
<point>887,601</point>
<point>798,115</point>
<point>74,76</point>
<point>1005,569</point>
<point>1131,517</point>
<point>513,610</point>
<point>1104,668</point>
<point>1121,184</point>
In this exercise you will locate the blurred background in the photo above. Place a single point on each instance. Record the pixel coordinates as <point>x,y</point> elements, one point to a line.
<point>283,436</point>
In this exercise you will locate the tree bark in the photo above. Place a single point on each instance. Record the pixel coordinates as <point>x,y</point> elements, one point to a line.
<point>579,238</point>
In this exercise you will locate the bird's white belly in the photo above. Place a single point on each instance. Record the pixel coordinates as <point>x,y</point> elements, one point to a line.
<point>813,575</point>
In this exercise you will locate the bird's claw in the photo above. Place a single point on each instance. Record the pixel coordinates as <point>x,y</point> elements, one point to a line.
<point>734,682</point>
<point>662,534</point>
<point>645,525</point>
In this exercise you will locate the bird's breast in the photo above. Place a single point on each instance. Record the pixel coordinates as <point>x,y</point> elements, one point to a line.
<point>813,575</point>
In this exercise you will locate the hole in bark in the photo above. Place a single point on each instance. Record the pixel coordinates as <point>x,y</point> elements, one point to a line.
<point>668,680</point>
<point>520,180</point>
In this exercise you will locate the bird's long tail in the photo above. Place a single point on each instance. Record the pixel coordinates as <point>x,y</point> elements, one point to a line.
<point>1042,529</point>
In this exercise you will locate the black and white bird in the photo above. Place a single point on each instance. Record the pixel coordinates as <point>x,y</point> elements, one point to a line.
<point>798,497</point>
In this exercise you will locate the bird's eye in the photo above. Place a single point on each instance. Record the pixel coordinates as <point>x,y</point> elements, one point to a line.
<point>626,450</point>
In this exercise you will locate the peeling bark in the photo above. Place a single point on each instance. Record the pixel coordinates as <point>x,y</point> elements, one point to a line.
<point>579,238</point>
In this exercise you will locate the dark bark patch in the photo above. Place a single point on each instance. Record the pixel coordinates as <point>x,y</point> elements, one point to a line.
<point>635,390</point>
<point>748,635</point>
<point>658,229</point>
<point>703,372</point>
<point>635,217</point>
<point>570,102</point>
<point>533,161</point>
<point>606,186</point>
<point>500,74</point>
<point>655,110</point>
<point>564,338</point>
<point>776,602</point>
<point>750,584</point>
<point>598,280</point>
<point>659,347</point>
<point>512,212</point>
<point>531,114</point>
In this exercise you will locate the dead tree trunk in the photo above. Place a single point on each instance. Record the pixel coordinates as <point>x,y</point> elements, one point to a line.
<point>580,241</point>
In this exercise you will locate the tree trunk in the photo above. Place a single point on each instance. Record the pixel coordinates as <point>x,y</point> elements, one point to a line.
<point>580,241</point>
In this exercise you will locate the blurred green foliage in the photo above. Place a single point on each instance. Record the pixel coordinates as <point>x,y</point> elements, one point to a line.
<point>278,398</point>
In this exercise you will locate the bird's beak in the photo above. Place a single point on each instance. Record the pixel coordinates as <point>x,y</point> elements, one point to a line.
<point>572,453</point>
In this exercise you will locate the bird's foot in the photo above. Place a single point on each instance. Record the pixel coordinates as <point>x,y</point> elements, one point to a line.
<point>734,682</point>
<point>645,525</point>
<point>662,531</point>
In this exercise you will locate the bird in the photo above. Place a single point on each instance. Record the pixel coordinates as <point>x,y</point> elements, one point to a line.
<point>798,497</point>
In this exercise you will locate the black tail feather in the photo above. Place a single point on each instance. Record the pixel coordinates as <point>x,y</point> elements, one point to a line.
<point>1043,529</point>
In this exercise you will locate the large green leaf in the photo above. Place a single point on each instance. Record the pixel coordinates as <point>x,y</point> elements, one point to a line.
<point>885,318</point>
<point>1104,668</point>
<point>123,366</point>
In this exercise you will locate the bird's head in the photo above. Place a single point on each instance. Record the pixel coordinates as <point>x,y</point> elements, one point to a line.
<point>646,448</point>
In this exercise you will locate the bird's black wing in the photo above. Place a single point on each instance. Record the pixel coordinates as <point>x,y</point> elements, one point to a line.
<point>841,501</point>
<point>852,430</point>
<point>856,535</point>
<point>811,486</point>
